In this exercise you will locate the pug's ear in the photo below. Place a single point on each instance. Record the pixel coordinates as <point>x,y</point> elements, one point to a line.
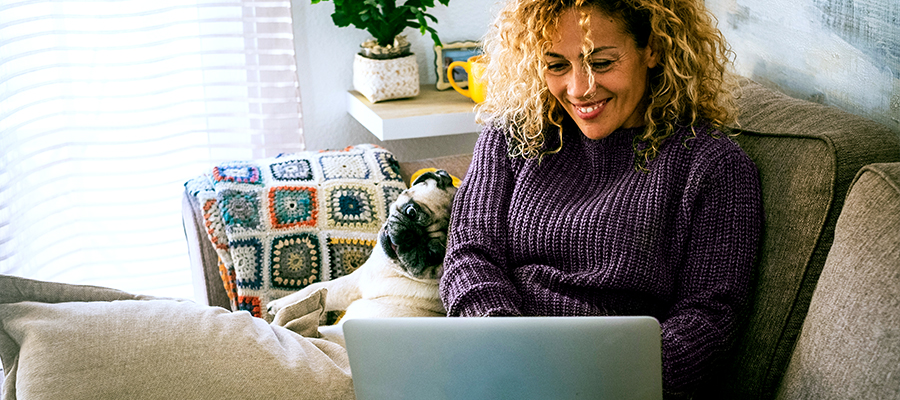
<point>422,178</point>
<point>441,178</point>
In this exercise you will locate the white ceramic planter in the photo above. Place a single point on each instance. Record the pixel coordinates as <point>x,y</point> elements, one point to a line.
<point>380,80</point>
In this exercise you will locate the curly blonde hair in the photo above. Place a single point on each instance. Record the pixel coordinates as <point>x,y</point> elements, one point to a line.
<point>690,83</point>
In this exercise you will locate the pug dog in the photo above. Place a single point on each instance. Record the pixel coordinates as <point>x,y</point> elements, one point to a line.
<point>400,278</point>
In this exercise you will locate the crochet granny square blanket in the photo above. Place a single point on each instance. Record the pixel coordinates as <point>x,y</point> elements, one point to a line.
<point>279,224</point>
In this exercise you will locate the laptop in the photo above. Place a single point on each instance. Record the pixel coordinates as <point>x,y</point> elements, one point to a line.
<point>505,358</point>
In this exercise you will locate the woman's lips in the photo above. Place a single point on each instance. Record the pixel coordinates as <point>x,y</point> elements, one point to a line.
<point>590,111</point>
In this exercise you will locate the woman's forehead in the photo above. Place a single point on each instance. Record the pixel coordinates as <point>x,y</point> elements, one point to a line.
<point>602,32</point>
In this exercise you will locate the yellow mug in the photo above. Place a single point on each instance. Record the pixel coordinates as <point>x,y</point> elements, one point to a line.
<point>475,69</point>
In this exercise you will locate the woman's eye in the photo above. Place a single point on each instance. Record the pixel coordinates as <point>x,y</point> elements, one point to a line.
<point>600,65</point>
<point>557,67</point>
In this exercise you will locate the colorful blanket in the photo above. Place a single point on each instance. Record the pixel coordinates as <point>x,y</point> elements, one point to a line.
<point>282,223</point>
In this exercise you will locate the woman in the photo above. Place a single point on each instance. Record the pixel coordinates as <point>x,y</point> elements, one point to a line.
<point>601,185</point>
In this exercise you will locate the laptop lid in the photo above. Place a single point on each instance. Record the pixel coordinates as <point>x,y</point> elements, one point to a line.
<point>505,358</point>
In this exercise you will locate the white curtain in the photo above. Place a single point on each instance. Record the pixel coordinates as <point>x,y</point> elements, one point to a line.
<point>108,106</point>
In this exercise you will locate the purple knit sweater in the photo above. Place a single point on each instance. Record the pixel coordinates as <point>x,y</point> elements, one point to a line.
<point>584,233</point>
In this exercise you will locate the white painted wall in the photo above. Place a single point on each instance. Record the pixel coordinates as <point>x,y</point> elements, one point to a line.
<point>844,53</point>
<point>325,65</point>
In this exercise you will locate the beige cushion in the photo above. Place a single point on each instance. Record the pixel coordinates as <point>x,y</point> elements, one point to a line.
<point>155,349</point>
<point>807,155</point>
<point>850,344</point>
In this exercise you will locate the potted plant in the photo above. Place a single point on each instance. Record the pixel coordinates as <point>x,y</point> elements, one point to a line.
<point>385,68</point>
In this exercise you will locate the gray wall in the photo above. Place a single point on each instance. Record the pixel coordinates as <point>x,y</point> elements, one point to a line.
<point>844,53</point>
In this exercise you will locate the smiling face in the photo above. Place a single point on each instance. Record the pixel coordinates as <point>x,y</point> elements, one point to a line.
<point>617,96</point>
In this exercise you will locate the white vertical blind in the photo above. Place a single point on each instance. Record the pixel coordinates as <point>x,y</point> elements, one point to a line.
<point>108,106</point>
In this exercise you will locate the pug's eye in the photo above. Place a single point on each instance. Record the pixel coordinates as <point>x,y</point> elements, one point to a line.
<point>410,211</point>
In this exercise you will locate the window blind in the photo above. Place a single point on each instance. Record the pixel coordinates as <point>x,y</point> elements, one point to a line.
<point>108,107</point>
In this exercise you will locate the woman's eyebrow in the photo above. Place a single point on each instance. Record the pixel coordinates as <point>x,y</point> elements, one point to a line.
<point>595,51</point>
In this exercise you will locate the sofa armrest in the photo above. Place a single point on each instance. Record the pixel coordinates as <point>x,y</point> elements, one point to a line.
<point>208,286</point>
<point>848,346</point>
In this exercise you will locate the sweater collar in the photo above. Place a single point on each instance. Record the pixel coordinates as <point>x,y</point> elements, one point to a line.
<point>618,138</point>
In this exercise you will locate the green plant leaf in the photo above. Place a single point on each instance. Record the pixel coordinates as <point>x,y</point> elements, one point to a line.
<point>423,25</point>
<point>384,19</point>
<point>340,20</point>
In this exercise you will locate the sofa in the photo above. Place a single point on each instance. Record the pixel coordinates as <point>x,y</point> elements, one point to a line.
<point>823,323</point>
<point>824,320</point>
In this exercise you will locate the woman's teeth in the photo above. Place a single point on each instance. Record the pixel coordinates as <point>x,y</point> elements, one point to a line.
<point>591,108</point>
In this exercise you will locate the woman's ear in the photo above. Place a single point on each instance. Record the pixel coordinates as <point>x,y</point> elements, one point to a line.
<point>651,54</point>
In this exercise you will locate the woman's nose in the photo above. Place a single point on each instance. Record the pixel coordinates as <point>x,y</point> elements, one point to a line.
<point>580,84</point>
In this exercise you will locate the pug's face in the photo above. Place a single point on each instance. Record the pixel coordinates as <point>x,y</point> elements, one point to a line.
<point>415,234</point>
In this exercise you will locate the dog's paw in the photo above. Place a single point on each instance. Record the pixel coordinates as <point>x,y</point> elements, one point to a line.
<point>274,306</point>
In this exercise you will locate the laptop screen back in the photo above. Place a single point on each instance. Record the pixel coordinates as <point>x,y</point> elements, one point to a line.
<point>505,358</point>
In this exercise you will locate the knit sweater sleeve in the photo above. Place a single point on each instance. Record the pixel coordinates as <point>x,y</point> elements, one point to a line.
<point>475,281</point>
<point>713,284</point>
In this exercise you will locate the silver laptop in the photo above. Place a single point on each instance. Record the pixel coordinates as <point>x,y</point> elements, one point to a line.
<point>505,358</point>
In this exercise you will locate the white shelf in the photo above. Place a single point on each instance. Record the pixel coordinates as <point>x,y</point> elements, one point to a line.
<point>431,113</point>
